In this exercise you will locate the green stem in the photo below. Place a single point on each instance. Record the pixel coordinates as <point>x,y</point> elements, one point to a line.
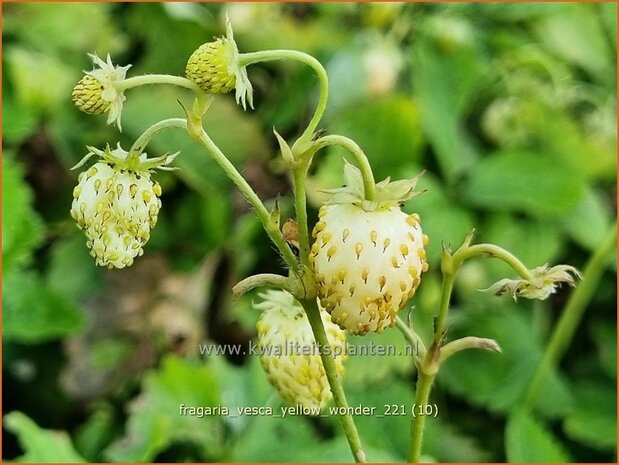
<point>572,315</point>
<point>246,59</point>
<point>413,339</point>
<point>264,279</point>
<point>493,251</point>
<point>263,214</point>
<point>300,205</point>
<point>148,79</point>
<point>422,394</point>
<point>443,309</point>
<point>141,142</point>
<point>335,383</point>
<point>369,185</point>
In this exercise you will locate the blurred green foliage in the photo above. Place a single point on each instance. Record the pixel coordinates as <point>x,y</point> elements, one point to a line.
<point>509,107</point>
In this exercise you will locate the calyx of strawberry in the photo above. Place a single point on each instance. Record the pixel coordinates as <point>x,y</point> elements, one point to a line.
<point>388,193</point>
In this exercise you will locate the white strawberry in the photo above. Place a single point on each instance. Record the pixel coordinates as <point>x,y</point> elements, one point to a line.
<point>288,351</point>
<point>116,203</point>
<point>368,256</point>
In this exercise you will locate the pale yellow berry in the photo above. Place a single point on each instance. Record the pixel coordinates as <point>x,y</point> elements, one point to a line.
<point>369,262</point>
<point>289,354</point>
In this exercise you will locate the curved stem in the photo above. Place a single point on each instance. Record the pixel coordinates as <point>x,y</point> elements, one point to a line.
<point>148,79</point>
<point>246,59</point>
<point>422,394</point>
<point>572,315</point>
<point>300,205</point>
<point>263,214</point>
<point>369,185</point>
<point>493,251</point>
<point>141,142</point>
<point>335,383</point>
<point>264,279</point>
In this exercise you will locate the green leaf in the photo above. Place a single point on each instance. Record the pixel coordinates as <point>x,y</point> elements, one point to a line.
<point>445,79</point>
<point>524,182</point>
<point>527,440</point>
<point>593,420</point>
<point>575,32</point>
<point>589,223</point>
<point>22,229</point>
<point>449,227</point>
<point>41,82</point>
<point>40,445</point>
<point>71,271</point>
<point>534,242</point>
<point>155,421</point>
<point>19,121</point>
<point>368,368</point>
<point>387,129</point>
<point>34,313</point>
<point>506,376</point>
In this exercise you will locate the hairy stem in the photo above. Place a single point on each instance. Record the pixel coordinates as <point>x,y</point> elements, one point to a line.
<point>360,157</point>
<point>422,394</point>
<point>149,79</point>
<point>491,250</point>
<point>141,142</point>
<point>335,383</point>
<point>263,214</point>
<point>247,59</point>
<point>419,349</point>
<point>572,315</point>
<point>300,205</point>
<point>261,280</point>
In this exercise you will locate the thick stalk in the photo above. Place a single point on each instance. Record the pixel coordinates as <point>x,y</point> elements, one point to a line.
<point>263,214</point>
<point>149,79</point>
<point>424,386</point>
<point>572,315</point>
<point>247,59</point>
<point>369,185</point>
<point>300,205</point>
<point>335,383</point>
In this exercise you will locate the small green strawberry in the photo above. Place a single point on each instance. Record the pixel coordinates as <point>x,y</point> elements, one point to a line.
<point>367,256</point>
<point>288,351</point>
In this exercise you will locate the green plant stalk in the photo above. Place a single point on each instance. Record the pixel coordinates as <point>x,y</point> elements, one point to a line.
<point>572,315</point>
<point>428,367</point>
<point>369,185</point>
<point>141,142</point>
<point>263,214</point>
<point>422,394</point>
<point>246,59</point>
<point>300,205</point>
<point>261,280</point>
<point>493,251</point>
<point>412,338</point>
<point>335,383</point>
<point>150,79</point>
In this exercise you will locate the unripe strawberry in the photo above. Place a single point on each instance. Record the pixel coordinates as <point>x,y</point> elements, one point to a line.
<point>368,256</point>
<point>215,68</point>
<point>87,96</point>
<point>116,203</point>
<point>288,351</point>
<point>97,91</point>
